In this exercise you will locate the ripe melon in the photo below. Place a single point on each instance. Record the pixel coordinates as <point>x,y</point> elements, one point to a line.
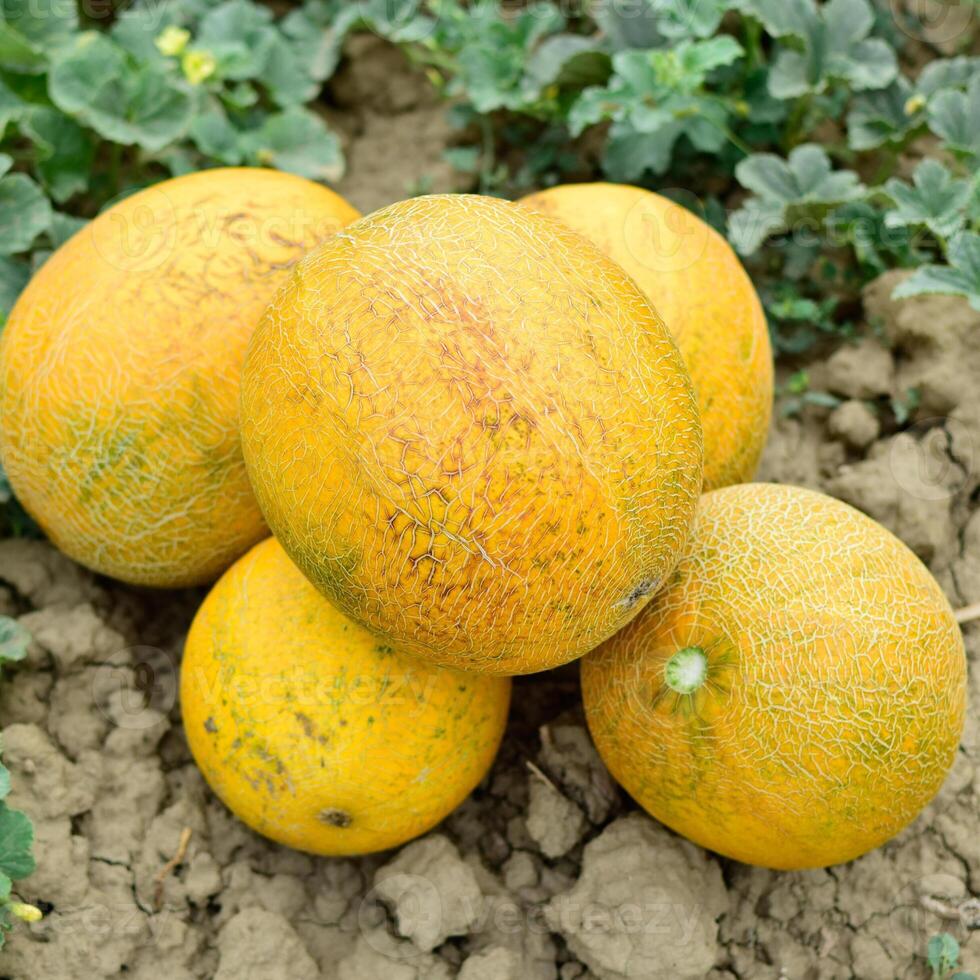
<point>314,732</point>
<point>120,369</point>
<point>795,695</point>
<point>473,434</point>
<point>697,284</point>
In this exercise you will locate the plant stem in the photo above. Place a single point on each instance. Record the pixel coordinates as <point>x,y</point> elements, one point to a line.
<point>968,614</point>
<point>488,154</point>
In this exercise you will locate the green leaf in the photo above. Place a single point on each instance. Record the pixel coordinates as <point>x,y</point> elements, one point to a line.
<point>654,98</point>
<point>14,641</point>
<point>835,42</point>
<point>216,137</point>
<point>943,953</point>
<point>24,213</point>
<point>889,115</point>
<point>16,840</point>
<point>877,246</point>
<point>805,185</point>
<point>628,23</point>
<point>680,19</point>
<point>960,278</point>
<point>239,34</point>
<point>936,200</point>
<point>783,18</point>
<point>47,24</point>
<point>955,116</point>
<point>567,59</point>
<point>63,226</point>
<point>11,107</point>
<point>807,176</point>
<point>31,32</point>
<point>13,278</point>
<point>400,21</point>
<point>947,73</point>
<point>99,83</point>
<point>298,141</point>
<point>64,151</point>
<point>629,154</point>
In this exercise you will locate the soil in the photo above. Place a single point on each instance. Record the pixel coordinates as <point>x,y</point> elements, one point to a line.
<point>547,871</point>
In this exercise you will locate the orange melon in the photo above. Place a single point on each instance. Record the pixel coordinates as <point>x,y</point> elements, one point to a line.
<point>471,431</point>
<point>314,732</point>
<point>697,284</point>
<point>795,695</point>
<point>120,369</point>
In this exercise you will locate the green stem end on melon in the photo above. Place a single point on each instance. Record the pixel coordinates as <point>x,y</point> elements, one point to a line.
<point>686,670</point>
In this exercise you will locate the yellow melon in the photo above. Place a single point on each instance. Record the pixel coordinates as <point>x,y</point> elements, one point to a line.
<point>120,369</point>
<point>471,431</point>
<point>697,284</point>
<point>314,732</point>
<point>795,695</point>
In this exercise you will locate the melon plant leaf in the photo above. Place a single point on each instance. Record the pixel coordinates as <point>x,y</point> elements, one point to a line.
<point>97,81</point>
<point>215,136</point>
<point>805,185</point>
<point>682,19</point>
<point>628,24</point>
<point>316,33</point>
<point>947,73</point>
<point>30,32</point>
<point>11,107</point>
<point>14,638</point>
<point>64,151</point>
<point>960,278</point>
<point>47,24</point>
<point>655,97</point>
<point>13,278</point>
<point>936,199</point>
<point>942,954</point>
<point>63,226</point>
<point>629,154</point>
<point>834,45</point>
<point>25,212</point>
<point>16,840</point>
<point>400,21</point>
<point>955,116</point>
<point>297,141</point>
<point>566,59</point>
<point>239,34</point>
<point>889,115</point>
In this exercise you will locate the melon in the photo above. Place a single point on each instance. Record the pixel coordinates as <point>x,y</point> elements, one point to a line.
<point>697,284</point>
<point>316,733</point>
<point>120,368</point>
<point>795,695</point>
<point>473,434</point>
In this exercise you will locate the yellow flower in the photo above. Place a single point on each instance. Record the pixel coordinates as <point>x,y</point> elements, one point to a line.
<point>198,65</point>
<point>172,41</point>
<point>914,104</point>
<point>29,913</point>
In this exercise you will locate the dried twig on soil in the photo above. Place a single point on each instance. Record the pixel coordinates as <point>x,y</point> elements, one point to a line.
<point>161,875</point>
<point>968,614</point>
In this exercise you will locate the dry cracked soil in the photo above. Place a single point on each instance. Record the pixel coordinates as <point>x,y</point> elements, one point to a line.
<point>547,871</point>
